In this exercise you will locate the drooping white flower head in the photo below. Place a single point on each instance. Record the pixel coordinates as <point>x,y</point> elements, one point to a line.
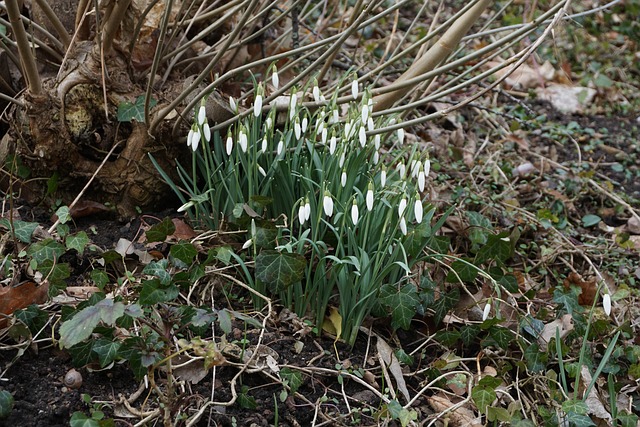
<point>324,136</point>
<point>206,131</point>
<point>403,226</point>
<point>190,137</point>
<point>280,147</point>
<point>402,170</point>
<point>376,157</point>
<point>195,139</point>
<point>263,148</point>
<point>355,214</point>
<point>383,176</point>
<point>332,144</point>
<point>247,244</point>
<point>376,141</point>
<point>327,203</point>
<point>307,208</point>
<point>606,304</point>
<point>421,178</point>
<point>268,123</point>
<point>400,133</point>
<point>365,113</point>
<point>316,92</point>
<point>229,145</point>
<point>242,140</point>
<point>262,171</point>
<point>417,209</point>
<point>342,159</point>
<point>362,136</point>
<point>202,114</point>
<point>486,311</point>
<point>296,128</point>
<point>369,197</point>
<point>335,115</point>
<point>319,126</point>
<point>370,125</point>
<point>402,206</point>
<point>292,104</point>
<point>354,89</point>
<point>343,178</point>
<point>186,206</point>
<point>347,129</point>
<point>427,167</point>
<point>257,105</point>
<point>305,124</point>
<point>232,104</point>
<point>302,217</point>
<point>275,79</point>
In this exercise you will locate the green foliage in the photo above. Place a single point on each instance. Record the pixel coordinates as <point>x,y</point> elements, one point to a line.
<point>80,327</point>
<point>279,270</point>
<point>397,412</point>
<point>23,230</point>
<point>128,111</point>
<point>6,404</point>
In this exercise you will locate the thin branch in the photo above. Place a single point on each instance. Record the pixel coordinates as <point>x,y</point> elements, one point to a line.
<point>27,56</point>
<point>55,21</point>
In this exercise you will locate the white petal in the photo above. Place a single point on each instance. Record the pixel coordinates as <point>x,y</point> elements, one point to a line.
<point>297,130</point>
<point>362,136</point>
<point>327,204</point>
<point>202,115</point>
<point>421,180</point>
<point>403,226</point>
<point>186,206</point>
<point>316,94</point>
<point>247,244</point>
<point>307,210</point>
<point>189,137</point>
<point>292,106</point>
<point>242,140</point>
<point>370,124</point>
<point>427,167</point>
<point>486,311</point>
<point>275,79</point>
<point>324,136</point>
<point>268,123</point>
<point>354,89</point>
<point>354,213</point>
<point>336,116</point>
<point>400,133</point>
<point>206,130</point>
<point>280,147</point>
<point>418,211</point>
<point>301,214</point>
<point>257,106</point>
<point>343,178</point>
<point>195,140</point>
<point>376,141</point>
<point>347,129</point>
<point>342,159</point>
<point>383,177</point>
<point>365,113</point>
<point>376,157</point>
<point>332,145</point>
<point>261,170</point>
<point>402,206</point>
<point>402,170</point>
<point>264,145</point>
<point>232,104</point>
<point>369,199</point>
<point>606,304</point>
<point>305,123</point>
<point>229,145</point>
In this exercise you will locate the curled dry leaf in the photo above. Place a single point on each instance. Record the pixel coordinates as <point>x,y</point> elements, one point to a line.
<point>588,288</point>
<point>13,298</point>
<point>459,417</point>
<point>564,325</point>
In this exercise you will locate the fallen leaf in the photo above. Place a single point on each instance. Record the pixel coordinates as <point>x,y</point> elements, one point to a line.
<point>593,400</point>
<point>14,298</point>
<point>183,230</point>
<point>564,325</point>
<point>588,288</point>
<point>567,99</point>
<point>459,417</point>
<point>333,323</point>
<point>391,361</point>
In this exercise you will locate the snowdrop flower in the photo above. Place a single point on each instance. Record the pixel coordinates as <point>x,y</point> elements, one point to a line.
<point>347,129</point>
<point>400,133</point>
<point>316,92</point>
<point>370,124</point>
<point>195,140</point>
<point>229,144</point>
<point>427,167</point>
<point>280,147</point>
<point>186,206</point>
<point>403,226</point>
<point>264,145</point>
<point>327,203</point>
<point>402,170</point>
<point>421,179</point>
<point>232,104</point>
<point>332,144</point>
<point>257,104</point>
<point>342,159</point>
<point>376,141</point>
<point>324,137</point>
<point>606,304</point>
<point>302,214</point>
<point>362,136</point>
<point>486,311</point>
<point>261,170</point>
<point>275,79</point>
<point>402,206</point>
<point>319,126</point>
<point>268,123</point>
<point>296,128</point>
<point>354,212</point>
<point>206,130</point>
<point>376,157</point>
<point>417,209</point>
<point>305,124</point>
<point>202,114</point>
<point>369,197</point>
<point>343,178</point>
<point>242,140</point>
<point>365,113</point>
<point>307,209</point>
<point>189,137</point>
<point>415,167</point>
<point>292,104</point>
<point>383,176</point>
<point>354,89</point>
<point>335,116</point>
<point>247,244</point>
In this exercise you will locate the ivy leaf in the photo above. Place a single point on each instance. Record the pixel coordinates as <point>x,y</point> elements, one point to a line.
<point>536,360</point>
<point>202,318</point>
<point>483,396</point>
<point>22,229</point>
<point>47,249</point>
<point>78,419</point>
<point>63,214</point>
<point>447,338</point>
<point>293,378</point>
<point>32,316</point>
<point>158,269</point>
<point>279,270</point>
<point>469,333</point>
<point>184,251</point>
<point>266,234</point>
<point>128,111</point>
<point>445,303</point>
<point>106,350</point>
<point>579,420</point>
<point>80,326</point>
<point>77,241</point>
<point>568,299</point>
<point>398,412</point>
<point>160,231</point>
<point>462,270</point>
<point>501,336</point>
<point>498,248</point>
<point>6,403</point>
<point>99,278</point>
<point>590,220</point>
<point>154,292</point>
<point>224,320</point>
<point>403,303</point>
<point>479,228</point>
<point>576,406</point>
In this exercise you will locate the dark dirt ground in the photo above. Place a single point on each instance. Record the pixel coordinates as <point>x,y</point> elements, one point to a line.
<point>35,378</point>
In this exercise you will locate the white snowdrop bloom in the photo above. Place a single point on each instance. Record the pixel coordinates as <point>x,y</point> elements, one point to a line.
<point>195,140</point>
<point>354,89</point>
<point>302,214</point>
<point>402,206</point>
<point>403,226</point>
<point>402,170</point>
<point>400,133</point>
<point>263,148</point>
<point>335,116</point>
<point>486,311</point>
<point>206,130</point>
<point>327,204</point>
<point>343,178</point>
<point>370,124</point>
<point>362,136</point>
<point>305,124</point>
<point>268,123</point>
<point>606,304</point>
<point>292,105</point>
<point>332,144</point>
<point>369,197</point>
<point>342,159</point>
<point>418,210</point>
<point>324,136</point>
<point>275,79</point>
<point>262,171</point>
<point>189,137</point>
<point>319,126</point>
<point>296,129</point>
<point>383,176</point>
<point>257,106</point>
<point>247,244</point>
<point>427,167</point>
<point>242,140</point>
<point>280,147</point>
<point>376,157</point>
<point>186,206</point>
<point>202,115</point>
<point>322,98</point>
<point>354,212</point>
<point>365,113</point>
<point>316,94</point>
<point>307,209</point>
<point>347,129</point>
<point>415,168</point>
<point>376,141</point>
<point>229,145</point>
<point>232,104</point>
<point>421,179</point>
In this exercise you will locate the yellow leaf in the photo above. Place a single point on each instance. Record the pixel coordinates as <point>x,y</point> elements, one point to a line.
<point>333,323</point>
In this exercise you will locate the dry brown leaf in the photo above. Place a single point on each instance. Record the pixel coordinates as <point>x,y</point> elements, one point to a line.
<point>183,230</point>
<point>391,361</point>
<point>14,298</point>
<point>564,325</point>
<point>588,287</point>
<point>593,400</point>
<point>459,417</point>
<point>567,99</point>
<point>525,77</point>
